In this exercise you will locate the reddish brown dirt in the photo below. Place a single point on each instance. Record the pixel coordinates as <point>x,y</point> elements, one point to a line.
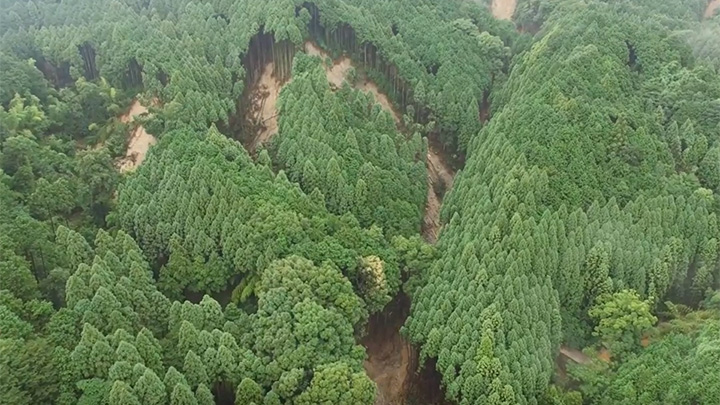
<point>369,87</point>
<point>266,90</point>
<point>711,8</point>
<point>337,71</point>
<point>565,356</point>
<point>604,355</point>
<point>140,140</point>
<point>426,386</point>
<point>263,107</point>
<point>503,9</point>
<point>645,341</point>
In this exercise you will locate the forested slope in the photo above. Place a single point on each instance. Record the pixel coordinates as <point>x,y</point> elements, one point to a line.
<point>308,145</point>
<point>106,319</point>
<point>584,212</point>
<point>583,183</point>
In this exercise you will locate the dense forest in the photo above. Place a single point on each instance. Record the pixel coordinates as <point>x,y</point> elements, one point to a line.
<point>360,202</point>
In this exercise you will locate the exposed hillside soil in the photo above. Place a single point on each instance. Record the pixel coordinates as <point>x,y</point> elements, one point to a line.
<point>389,355</point>
<point>503,9</point>
<point>263,107</point>
<point>335,73</point>
<point>711,8</point>
<point>391,361</point>
<point>426,387</point>
<point>431,220</point>
<point>604,355</point>
<point>140,141</point>
<point>439,181</point>
<point>645,341</point>
<point>264,93</point>
<point>369,87</point>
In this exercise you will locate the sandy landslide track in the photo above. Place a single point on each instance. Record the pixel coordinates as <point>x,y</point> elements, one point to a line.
<point>140,140</point>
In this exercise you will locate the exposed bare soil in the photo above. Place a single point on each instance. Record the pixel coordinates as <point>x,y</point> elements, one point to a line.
<point>440,179</point>
<point>266,90</point>
<point>389,355</point>
<point>645,341</point>
<point>369,87</point>
<point>503,9</point>
<point>711,8</point>
<point>263,106</point>
<point>604,355</point>
<point>565,356</point>
<point>140,140</point>
<point>335,73</point>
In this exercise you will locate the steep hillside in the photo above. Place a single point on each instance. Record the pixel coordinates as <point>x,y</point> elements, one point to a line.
<point>359,202</point>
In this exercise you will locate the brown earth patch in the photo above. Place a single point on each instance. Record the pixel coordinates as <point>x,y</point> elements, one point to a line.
<point>389,355</point>
<point>439,181</point>
<point>368,86</point>
<point>440,176</point>
<point>645,341</point>
<point>140,140</point>
<point>337,71</point>
<point>604,355</point>
<point>503,9</point>
<point>262,112</point>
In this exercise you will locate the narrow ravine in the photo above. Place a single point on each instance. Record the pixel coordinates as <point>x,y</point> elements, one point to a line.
<point>390,357</point>
<point>440,180</point>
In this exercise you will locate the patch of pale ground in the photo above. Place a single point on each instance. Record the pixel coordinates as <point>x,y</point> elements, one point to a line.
<point>140,140</point>
<point>503,9</point>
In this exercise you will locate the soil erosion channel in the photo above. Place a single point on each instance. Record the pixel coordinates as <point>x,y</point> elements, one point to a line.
<point>440,180</point>
<point>391,360</point>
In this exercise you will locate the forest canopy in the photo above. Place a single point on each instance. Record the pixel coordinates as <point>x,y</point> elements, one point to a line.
<point>243,202</point>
